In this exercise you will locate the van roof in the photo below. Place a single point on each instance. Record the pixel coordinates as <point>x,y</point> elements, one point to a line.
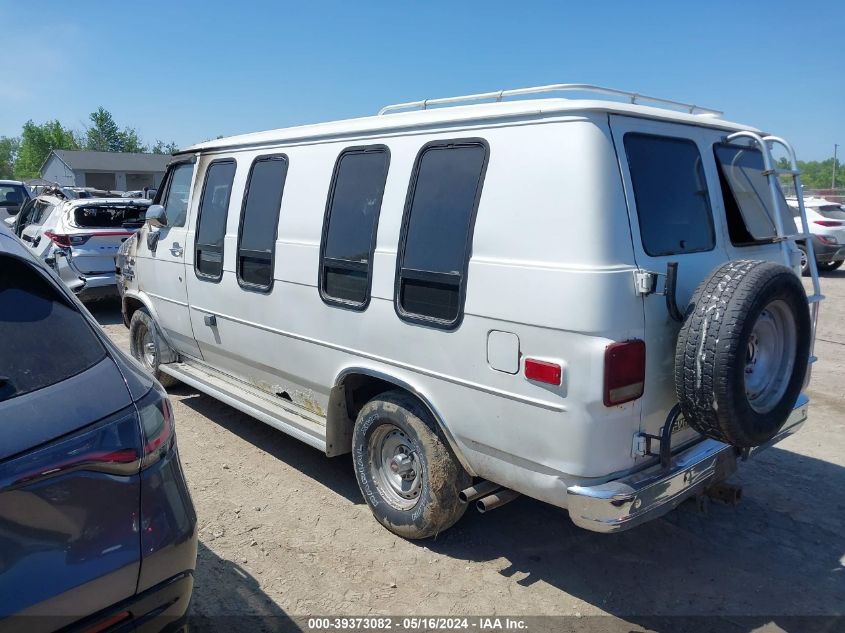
<point>481,112</point>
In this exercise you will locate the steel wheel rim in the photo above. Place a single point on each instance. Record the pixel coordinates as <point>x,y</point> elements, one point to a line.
<point>770,356</point>
<point>804,261</point>
<point>147,348</point>
<point>395,467</point>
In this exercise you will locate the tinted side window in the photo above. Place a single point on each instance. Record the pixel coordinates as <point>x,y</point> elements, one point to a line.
<point>43,339</point>
<point>260,219</point>
<point>211,223</point>
<point>670,190</point>
<point>436,240</point>
<point>176,197</point>
<point>349,234</point>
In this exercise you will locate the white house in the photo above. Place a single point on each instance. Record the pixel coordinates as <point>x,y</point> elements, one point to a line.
<point>116,171</point>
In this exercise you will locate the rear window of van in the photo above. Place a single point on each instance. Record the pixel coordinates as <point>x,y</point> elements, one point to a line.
<point>670,190</point>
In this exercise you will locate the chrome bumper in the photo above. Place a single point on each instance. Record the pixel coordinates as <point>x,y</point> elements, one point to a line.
<point>627,502</point>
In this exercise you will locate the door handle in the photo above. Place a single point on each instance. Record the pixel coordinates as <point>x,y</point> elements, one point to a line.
<point>176,249</point>
<point>210,320</point>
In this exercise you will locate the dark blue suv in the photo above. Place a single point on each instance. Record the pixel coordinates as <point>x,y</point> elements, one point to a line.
<point>97,528</point>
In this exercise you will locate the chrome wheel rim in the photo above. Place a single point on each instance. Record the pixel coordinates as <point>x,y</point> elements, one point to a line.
<point>147,348</point>
<point>770,356</point>
<point>395,467</point>
<point>804,261</point>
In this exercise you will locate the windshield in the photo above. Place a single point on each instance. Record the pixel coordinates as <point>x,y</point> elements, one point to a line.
<point>109,216</point>
<point>12,195</point>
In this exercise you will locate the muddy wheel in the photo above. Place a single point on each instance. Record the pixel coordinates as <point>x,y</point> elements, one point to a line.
<point>742,352</point>
<point>406,471</point>
<point>147,346</point>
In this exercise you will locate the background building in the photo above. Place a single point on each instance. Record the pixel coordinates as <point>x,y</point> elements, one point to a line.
<point>115,171</point>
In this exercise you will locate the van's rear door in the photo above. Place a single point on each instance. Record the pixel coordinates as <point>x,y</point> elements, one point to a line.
<point>674,206</point>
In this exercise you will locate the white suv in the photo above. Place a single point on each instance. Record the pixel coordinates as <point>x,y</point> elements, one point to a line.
<point>80,238</point>
<point>587,301</point>
<point>827,225</point>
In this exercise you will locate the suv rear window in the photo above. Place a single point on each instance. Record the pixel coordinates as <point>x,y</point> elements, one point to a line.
<point>670,190</point>
<point>12,195</point>
<point>109,217</point>
<point>43,338</point>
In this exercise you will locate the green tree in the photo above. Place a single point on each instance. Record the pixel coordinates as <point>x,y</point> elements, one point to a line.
<point>104,135</point>
<point>36,143</point>
<point>160,147</point>
<point>8,152</point>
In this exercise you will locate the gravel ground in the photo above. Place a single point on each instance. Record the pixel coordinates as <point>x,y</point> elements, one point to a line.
<point>284,531</point>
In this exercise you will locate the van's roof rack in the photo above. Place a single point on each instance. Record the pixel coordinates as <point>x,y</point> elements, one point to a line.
<point>634,97</point>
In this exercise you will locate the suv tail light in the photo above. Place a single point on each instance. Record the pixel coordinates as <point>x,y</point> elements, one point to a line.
<point>112,446</point>
<point>66,241</point>
<point>827,222</point>
<point>624,372</point>
<point>156,417</point>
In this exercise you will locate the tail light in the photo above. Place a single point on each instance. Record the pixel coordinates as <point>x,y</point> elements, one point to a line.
<point>624,372</point>
<point>66,241</point>
<point>112,446</point>
<point>827,222</point>
<point>157,430</point>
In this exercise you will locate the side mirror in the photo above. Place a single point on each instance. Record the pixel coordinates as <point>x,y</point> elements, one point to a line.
<point>156,216</point>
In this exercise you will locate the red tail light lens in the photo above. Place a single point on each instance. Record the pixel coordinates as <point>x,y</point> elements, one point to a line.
<point>66,241</point>
<point>827,222</point>
<point>624,372</point>
<point>543,371</point>
<point>156,417</point>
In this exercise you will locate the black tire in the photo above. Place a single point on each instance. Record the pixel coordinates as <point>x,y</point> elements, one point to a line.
<point>721,342</point>
<point>397,416</point>
<point>826,267</point>
<point>143,328</point>
<point>805,261</point>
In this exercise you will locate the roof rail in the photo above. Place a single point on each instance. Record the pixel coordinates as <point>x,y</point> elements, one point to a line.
<point>501,94</point>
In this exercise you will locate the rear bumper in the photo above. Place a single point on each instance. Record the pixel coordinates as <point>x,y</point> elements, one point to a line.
<point>627,502</point>
<point>828,252</point>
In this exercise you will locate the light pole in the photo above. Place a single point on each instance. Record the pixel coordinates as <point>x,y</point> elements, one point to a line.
<point>833,177</point>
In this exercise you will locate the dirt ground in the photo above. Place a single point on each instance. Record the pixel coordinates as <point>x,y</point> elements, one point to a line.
<point>284,531</point>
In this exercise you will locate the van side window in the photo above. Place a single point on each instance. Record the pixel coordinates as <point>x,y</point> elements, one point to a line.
<point>436,240</point>
<point>349,230</point>
<point>211,222</point>
<point>260,220</point>
<point>670,190</point>
<point>175,198</point>
<point>747,197</point>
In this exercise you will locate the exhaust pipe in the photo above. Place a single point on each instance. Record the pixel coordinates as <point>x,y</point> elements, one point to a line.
<point>496,500</point>
<point>481,489</point>
<point>726,493</point>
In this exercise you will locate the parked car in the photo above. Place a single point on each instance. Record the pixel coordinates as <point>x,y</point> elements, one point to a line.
<point>827,224</point>
<point>97,527</point>
<point>80,237</point>
<point>425,290</point>
<point>13,194</point>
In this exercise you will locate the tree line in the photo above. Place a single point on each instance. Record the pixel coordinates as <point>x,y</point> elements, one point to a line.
<point>21,156</point>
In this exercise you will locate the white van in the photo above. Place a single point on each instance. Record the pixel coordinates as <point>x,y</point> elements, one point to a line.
<point>587,301</point>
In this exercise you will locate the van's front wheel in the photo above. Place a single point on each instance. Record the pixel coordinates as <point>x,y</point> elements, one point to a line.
<point>146,346</point>
<point>407,473</point>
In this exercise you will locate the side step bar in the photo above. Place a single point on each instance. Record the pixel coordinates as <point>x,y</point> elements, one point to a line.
<point>249,400</point>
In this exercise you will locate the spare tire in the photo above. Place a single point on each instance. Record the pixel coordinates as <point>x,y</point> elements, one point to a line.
<point>742,352</point>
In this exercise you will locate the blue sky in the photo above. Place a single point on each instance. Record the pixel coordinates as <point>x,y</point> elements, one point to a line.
<point>188,71</point>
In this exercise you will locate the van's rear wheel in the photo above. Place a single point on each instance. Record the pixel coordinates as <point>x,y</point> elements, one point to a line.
<point>147,346</point>
<point>407,473</point>
<point>742,352</point>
